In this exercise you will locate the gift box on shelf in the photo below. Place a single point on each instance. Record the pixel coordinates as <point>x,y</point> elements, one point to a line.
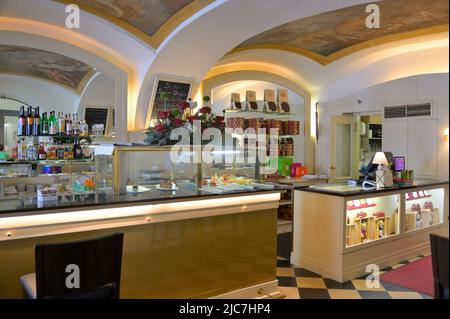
<point>236,122</point>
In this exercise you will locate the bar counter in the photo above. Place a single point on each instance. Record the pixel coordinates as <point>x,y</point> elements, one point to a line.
<point>183,244</point>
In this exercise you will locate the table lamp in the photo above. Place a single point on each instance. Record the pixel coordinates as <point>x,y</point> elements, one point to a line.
<point>383,174</point>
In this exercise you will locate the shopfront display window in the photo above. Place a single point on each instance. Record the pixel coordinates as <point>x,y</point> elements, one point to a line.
<point>424,209</point>
<point>371,219</point>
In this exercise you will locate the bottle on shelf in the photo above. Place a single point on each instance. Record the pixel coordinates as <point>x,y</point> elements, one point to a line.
<point>36,122</point>
<point>69,126</point>
<point>75,125</point>
<point>44,124</point>
<point>60,150</point>
<point>42,154</point>
<point>31,152</point>
<point>19,150</point>
<point>77,150</point>
<point>53,124</point>
<point>22,122</point>
<point>30,119</point>
<point>61,124</point>
<point>84,129</point>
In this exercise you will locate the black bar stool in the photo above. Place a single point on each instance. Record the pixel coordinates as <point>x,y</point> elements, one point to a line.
<point>88,269</point>
<point>439,256</point>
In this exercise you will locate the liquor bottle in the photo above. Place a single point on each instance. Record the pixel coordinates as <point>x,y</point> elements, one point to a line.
<point>30,119</point>
<point>19,150</point>
<point>60,150</point>
<point>22,123</point>
<point>44,124</point>
<point>61,124</point>
<point>36,122</point>
<point>75,125</point>
<point>31,152</point>
<point>53,124</point>
<point>42,154</point>
<point>84,129</point>
<point>77,150</point>
<point>69,129</point>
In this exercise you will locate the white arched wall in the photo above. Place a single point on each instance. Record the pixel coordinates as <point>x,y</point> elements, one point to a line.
<point>35,92</point>
<point>197,45</point>
<point>410,90</point>
<point>251,75</point>
<point>120,51</point>
<point>78,53</point>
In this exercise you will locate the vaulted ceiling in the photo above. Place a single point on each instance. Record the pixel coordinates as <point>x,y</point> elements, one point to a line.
<point>44,65</point>
<point>150,20</point>
<point>328,36</point>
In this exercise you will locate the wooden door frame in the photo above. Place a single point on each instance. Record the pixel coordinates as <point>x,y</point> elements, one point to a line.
<point>354,122</point>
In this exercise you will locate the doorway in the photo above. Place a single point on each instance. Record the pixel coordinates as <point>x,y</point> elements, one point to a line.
<point>344,148</point>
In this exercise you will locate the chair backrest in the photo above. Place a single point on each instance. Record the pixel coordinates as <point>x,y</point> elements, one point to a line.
<point>95,262</point>
<point>439,256</point>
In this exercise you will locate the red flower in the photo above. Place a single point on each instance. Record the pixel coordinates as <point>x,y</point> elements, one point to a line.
<point>183,105</point>
<point>160,128</point>
<point>220,119</point>
<point>178,122</point>
<point>205,110</point>
<point>163,115</point>
<point>193,118</point>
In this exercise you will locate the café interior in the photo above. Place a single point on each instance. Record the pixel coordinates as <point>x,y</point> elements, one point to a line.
<point>224,149</point>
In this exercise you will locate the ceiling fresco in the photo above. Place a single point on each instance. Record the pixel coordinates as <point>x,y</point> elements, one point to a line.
<point>44,65</point>
<point>150,20</point>
<point>328,33</point>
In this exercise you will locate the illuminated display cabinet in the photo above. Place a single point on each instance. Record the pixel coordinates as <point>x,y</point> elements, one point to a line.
<point>340,229</point>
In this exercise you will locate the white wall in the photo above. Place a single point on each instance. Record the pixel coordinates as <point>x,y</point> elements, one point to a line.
<point>422,88</point>
<point>100,92</point>
<point>35,92</point>
<point>221,95</point>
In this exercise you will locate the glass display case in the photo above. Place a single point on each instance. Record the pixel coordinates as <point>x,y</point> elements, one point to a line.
<point>140,169</point>
<point>424,208</point>
<point>370,219</point>
<point>26,179</point>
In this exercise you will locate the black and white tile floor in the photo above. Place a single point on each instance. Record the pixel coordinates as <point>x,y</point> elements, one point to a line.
<point>298,283</point>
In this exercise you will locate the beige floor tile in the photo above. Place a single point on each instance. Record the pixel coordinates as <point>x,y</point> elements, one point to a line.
<point>308,282</point>
<point>415,259</point>
<point>290,292</point>
<point>397,266</point>
<point>285,272</point>
<point>360,284</point>
<point>404,295</point>
<point>343,294</point>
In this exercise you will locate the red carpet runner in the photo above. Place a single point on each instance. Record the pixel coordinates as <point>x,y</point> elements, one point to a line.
<point>416,276</point>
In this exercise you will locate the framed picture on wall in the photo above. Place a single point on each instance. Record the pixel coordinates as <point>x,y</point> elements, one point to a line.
<point>179,90</point>
<point>100,115</point>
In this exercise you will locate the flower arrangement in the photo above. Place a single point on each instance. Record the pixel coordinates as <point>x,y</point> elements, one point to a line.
<point>159,134</point>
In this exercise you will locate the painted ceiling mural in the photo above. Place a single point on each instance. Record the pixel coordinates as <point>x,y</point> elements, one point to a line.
<point>145,15</point>
<point>44,65</point>
<point>330,32</point>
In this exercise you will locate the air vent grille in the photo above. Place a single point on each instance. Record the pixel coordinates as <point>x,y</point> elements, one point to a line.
<point>391,112</point>
<point>419,110</point>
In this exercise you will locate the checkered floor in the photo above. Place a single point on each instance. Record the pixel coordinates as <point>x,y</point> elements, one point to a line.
<point>298,283</point>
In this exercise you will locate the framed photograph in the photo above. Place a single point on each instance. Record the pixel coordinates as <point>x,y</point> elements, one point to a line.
<point>100,115</point>
<point>179,90</point>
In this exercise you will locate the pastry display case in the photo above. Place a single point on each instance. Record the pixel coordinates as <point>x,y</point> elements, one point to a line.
<point>140,169</point>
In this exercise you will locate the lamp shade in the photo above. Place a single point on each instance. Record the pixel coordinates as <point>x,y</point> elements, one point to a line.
<point>380,159</point>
